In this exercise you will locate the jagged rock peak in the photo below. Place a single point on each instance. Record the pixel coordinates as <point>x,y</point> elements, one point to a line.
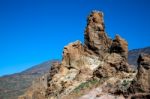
<point>95,37</point>
<point>96,17</point>
<point>120,46</point>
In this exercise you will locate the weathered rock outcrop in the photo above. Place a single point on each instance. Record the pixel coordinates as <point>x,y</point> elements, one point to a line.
<point>119,46</point>
<point>100,62</point>
<point>99,57</point>
<point>37,90</point>
<point>76,67</point>
<point>140,87</point>
<point>143,76</point>
<point>95,37</point>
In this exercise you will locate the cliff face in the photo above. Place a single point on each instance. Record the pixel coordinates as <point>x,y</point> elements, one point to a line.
<point>97,69</point>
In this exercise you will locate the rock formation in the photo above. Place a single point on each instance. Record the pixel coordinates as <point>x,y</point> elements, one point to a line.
<point>119,46</point>
<point>143,76</point>
<point>37,90</point>
<point>76,67</point>
<point>98,57</point>
<point>98,64</point>
<point>95,38</point>
<point>140,87</point>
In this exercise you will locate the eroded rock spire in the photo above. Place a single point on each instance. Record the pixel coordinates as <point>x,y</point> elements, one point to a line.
<point>95,37</point>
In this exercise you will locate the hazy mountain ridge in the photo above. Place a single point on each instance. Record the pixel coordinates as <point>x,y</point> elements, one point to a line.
<point>16,84</point>
<point>133,54</point>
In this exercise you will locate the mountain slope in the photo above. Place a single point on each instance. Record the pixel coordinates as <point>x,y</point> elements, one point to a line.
<point>134,54</point>
<point>16,84</point>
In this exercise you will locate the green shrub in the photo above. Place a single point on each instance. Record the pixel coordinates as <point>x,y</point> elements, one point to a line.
<point>86,85</point>
<point>124,86</point>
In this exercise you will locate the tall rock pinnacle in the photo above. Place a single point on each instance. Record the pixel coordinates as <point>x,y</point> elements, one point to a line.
<point>95,37</point>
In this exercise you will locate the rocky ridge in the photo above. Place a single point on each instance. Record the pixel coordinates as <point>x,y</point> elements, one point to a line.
<point>134,54</point>
<point>99,65</point>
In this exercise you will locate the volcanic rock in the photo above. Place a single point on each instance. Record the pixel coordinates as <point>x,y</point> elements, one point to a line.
<point>37,90</point>
<point>140,87</point>
<point>72,70</point>
<point>119,46</point>
<point>95,37</point>
<point>99,57</point>
<point>143,75</point>
<point>99,60</point>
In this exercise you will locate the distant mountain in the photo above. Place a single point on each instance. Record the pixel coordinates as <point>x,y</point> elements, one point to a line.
<point>16,84</point>
<point>134,54</point>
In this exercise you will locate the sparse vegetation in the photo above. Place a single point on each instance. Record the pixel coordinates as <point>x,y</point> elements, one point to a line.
<point>123,87</point>
<point>87,84</point>
<point>16,84</point>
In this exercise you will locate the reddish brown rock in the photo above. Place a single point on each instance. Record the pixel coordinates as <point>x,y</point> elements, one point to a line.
<point>77,66</point>
<point>119,46</point>
<point>140,87</point>
<point>99,58</point>
<point>95,37</point>
<point>143,76</point>
<point>54,69</point>
<point>37,89</point>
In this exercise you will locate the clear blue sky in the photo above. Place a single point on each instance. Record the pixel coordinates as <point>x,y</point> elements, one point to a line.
<point>33,31</point>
